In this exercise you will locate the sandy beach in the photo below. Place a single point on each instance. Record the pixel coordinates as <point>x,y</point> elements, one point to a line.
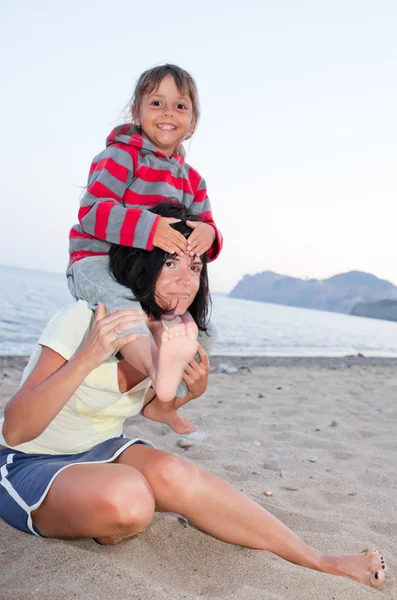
<point>333,425</point>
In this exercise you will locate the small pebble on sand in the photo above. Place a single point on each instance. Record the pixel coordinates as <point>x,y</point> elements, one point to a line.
<point>268,493</point>
<point>184,443</point>
<point>272,462</point>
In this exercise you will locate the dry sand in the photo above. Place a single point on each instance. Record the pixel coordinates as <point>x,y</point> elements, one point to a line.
<point>333,424</point>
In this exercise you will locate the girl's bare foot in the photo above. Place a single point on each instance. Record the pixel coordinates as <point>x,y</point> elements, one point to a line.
<point>164,413</point>
<point>368,568</point>
<point>177,344</point>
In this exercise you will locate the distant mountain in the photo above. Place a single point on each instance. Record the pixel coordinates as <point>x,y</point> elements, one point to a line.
<point>336,294</point>
<point>384,309</point>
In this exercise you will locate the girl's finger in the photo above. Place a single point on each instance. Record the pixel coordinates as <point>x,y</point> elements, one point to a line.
<point>179,243</point>
<point>193,236</point>
<point>177,237</point>
<point>168,248</point>
<point>200,249</point>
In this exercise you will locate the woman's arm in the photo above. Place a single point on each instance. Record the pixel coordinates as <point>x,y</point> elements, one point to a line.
<point>54,379</point>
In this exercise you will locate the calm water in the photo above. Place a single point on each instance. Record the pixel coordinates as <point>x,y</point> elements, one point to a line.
<point>28,298</point>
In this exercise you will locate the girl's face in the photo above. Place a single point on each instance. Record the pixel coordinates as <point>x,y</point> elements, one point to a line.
<point>165,116</point>
<point>178,283</point>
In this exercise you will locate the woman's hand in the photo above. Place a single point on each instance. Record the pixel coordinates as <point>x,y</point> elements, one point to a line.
<point>196,374</point>
<point>104,337</point>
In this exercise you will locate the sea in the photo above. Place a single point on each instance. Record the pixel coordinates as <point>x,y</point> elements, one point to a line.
<point>29,298</point>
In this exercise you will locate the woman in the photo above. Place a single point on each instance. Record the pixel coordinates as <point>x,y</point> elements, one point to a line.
<point>65,471</point>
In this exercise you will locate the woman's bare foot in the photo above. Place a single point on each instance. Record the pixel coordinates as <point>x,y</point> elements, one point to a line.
<point>368,568</point>
<point>177,344</point>
<point>164,412</point>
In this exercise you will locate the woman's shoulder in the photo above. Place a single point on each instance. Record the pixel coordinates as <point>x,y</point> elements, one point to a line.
<point>77,312</point>
<point>66,329</point>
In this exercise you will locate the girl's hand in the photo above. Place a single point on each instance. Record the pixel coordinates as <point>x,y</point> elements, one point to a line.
<point>201,238</point>
<point>104,337</point>
<point>196,374</point>
<point>167,238</point>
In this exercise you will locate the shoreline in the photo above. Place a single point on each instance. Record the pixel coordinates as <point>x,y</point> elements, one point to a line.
<point>238,361</point>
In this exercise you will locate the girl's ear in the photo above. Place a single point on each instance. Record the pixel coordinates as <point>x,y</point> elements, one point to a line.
<point>135,116</point>
<point>191,130</point>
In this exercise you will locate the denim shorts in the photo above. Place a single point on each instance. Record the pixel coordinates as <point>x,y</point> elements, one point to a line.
<point>25,479</point>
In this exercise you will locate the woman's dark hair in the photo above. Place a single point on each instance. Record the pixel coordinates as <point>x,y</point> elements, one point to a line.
<point>139,269</point>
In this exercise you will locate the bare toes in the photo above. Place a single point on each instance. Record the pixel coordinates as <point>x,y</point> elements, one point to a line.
<point>377,578</point>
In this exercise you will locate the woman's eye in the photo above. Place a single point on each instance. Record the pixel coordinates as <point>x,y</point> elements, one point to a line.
<point>169,264</point>
<point>196,268</point>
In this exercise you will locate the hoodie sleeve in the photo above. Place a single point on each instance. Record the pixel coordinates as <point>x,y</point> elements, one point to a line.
<point>201,206</point>
<point>102,213</point>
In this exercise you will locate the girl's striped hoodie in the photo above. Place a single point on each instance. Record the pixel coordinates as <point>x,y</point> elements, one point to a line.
<point>125,180</point>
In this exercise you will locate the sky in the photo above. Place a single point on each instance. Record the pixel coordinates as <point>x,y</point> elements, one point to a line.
<point>297,139</point>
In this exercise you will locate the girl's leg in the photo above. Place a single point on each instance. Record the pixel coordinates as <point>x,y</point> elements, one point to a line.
<point>142,354</point>
<point>176,341</point>
<point>219,509</point>
<point>108,502</point>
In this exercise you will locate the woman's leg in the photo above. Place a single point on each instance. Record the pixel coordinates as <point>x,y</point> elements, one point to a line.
<point>217,508</point>
<point>109,502</point>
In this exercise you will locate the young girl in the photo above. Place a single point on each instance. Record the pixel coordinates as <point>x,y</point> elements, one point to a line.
<point>144,164</point>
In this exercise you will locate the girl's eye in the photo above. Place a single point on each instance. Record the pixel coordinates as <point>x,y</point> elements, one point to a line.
<point>181,106</point>
<point>196,268</point>
<point>156,103</point>
<point>169,264</point>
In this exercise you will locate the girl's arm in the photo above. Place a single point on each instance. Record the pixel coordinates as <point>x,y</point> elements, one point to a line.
<point>54,380</point>
<point>201,206</point>
<point>102,212</point>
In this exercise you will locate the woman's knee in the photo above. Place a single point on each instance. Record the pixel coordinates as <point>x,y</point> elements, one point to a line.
<point>127,503</point>
<point>173,473</point>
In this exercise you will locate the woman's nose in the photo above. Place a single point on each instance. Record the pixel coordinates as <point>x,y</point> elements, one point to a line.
<point>184,277</point>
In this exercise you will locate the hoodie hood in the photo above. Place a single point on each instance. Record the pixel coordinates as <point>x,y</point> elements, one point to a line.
<point>129,134</point>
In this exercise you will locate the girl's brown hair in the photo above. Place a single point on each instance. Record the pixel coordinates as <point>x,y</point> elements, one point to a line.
<point>151,79</point>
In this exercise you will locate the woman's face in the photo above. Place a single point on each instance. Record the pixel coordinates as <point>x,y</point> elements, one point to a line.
<point>178,283</point>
